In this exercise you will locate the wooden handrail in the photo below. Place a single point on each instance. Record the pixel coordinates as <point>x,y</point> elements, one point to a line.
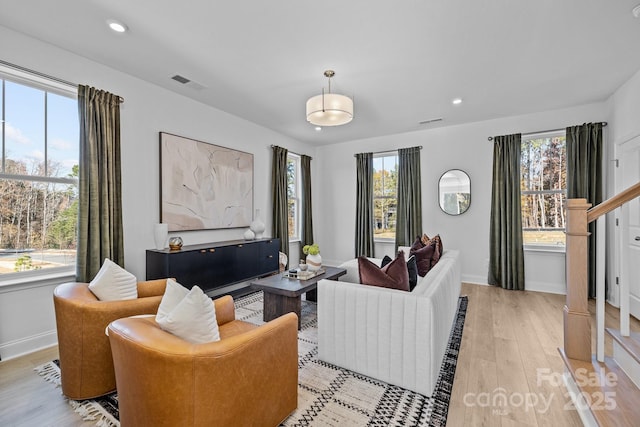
<point>613,203</point>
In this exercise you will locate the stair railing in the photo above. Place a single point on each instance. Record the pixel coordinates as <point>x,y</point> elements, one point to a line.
<point>577,320</point>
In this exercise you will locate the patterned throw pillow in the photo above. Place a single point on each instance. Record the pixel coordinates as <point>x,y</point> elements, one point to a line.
<point>113,283</point>
<point>412,269</point>
<point>393,275</point>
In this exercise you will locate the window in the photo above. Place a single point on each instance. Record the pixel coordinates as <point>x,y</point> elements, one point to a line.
<point>38,176</point>
<point>293,195</point>
<point>385,186</point>
<point>543,187</point>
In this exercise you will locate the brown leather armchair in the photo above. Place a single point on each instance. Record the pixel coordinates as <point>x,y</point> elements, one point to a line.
<point>86,366</point>
<point>248,378</point>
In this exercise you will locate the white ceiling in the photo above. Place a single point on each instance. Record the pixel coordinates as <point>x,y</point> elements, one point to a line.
<point>403,61</point>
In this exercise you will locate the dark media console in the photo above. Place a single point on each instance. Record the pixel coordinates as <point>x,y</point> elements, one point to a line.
<point>215,265</point>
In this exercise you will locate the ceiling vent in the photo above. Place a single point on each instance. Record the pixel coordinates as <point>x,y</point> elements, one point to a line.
<point>426,122</point>
<point>180,79</point>
<point>187,82</point>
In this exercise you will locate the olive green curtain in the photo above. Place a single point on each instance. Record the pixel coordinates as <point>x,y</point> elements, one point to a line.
<point>506,253</point>
<point>364,204</point>
<point>584,178</point>
<point>409,207</point>
<point>306,237</point>
<point>100,233</point>
<point>280,217</point>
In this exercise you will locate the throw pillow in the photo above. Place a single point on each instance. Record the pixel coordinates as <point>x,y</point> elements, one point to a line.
<point>193,319</point>
<point>437,241</point>
<point>437,253</point>
<point>393,275</point>
<point>423,258</point>
<point>412,269</point>
<point>173,294</point>
<point>114,283</point>
<point>417,244</point>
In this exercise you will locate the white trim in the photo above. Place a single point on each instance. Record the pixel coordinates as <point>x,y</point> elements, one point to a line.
<point>545,248</point>
<point>34,81</point>
<point>37,281</point>
<point>20,347</point>
<point>582,407</point>
<point>550,288</point>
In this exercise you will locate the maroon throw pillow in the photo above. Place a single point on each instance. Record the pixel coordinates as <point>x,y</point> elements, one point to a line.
<point>423,258</point>
<point>393,275</point>
<point>417,244</point>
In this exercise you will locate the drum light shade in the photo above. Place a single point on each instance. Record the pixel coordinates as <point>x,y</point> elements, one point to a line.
<point>329,109</point>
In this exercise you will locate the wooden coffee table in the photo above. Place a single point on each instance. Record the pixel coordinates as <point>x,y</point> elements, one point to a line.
<point>283,295</point>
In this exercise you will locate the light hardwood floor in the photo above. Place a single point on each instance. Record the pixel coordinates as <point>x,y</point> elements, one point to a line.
<point>509,350</point>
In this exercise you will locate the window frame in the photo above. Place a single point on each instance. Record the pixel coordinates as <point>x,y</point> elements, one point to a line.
<point>384,154</point>
<point>297,200</point>
<point>49,86</point>
<point>542,247</point>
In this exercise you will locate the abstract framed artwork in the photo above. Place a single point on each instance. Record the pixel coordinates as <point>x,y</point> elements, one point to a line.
<point>204,186</point>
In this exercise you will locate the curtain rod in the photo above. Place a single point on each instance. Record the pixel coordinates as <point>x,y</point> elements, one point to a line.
<point>293,152</point>
<point>388,151</point>
<point>43,75</point>
<point>545,131</point>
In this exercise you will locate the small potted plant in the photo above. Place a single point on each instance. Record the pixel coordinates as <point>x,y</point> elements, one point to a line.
<point>314,260</point>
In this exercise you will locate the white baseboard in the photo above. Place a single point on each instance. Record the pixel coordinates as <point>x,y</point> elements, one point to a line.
<point>26,345</point>
<point>551,288</point>
<point>475,280</point>
<point>578,399</point>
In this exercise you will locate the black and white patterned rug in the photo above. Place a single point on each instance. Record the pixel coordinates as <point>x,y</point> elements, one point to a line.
<point>327,395</point>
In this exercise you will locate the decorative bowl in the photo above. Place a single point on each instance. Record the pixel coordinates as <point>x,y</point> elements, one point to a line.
<point>302,267</point>
<point>175,243</point>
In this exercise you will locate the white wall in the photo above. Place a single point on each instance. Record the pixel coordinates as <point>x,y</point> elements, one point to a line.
<point>624,123</point>
<point>457,147</point>
<point>147,110</point>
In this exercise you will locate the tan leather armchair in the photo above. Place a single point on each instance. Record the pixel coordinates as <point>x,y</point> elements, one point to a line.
<point>86,365</point>
<point>248,378</point>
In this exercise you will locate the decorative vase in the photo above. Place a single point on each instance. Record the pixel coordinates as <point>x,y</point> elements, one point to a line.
<point>160,233</point>
<point>249,235</point>
<point>257,226</point>
<point>175,243</point>
<point>314,262</point>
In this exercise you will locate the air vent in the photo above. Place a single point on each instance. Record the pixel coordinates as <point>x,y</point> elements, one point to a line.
<point>180,79</point>
<point>188,82</point>
<point>426,122</point>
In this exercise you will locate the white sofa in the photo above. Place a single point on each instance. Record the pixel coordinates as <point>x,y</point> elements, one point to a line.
<point>395,336</point>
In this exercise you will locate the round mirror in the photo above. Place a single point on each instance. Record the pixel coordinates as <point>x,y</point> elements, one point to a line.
<point>454,192</point>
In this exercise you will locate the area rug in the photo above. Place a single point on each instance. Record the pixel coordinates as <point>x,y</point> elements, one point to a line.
<point>327,395</point>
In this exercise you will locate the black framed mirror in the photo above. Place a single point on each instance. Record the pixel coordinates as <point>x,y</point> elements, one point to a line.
<point>454,192</point>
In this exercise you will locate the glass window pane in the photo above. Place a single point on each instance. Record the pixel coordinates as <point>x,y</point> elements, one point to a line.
<point>24,129</point>
<point>62,135</point>
<point>384,218</point>
<point>38,225</point>
<point>543,169</point>
<point>385,178</point>
<point>543,218</point>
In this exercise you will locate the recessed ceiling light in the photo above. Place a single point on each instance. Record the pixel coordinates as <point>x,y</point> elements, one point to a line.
<point>318,128</point>
<point>457,101</point>
<point>636,11</point>
<point>117,26</point>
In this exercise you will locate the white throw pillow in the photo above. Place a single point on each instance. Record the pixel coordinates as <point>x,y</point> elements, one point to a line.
<point>193,319</point>
<point>114,283</point>
<point>173,294</point>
